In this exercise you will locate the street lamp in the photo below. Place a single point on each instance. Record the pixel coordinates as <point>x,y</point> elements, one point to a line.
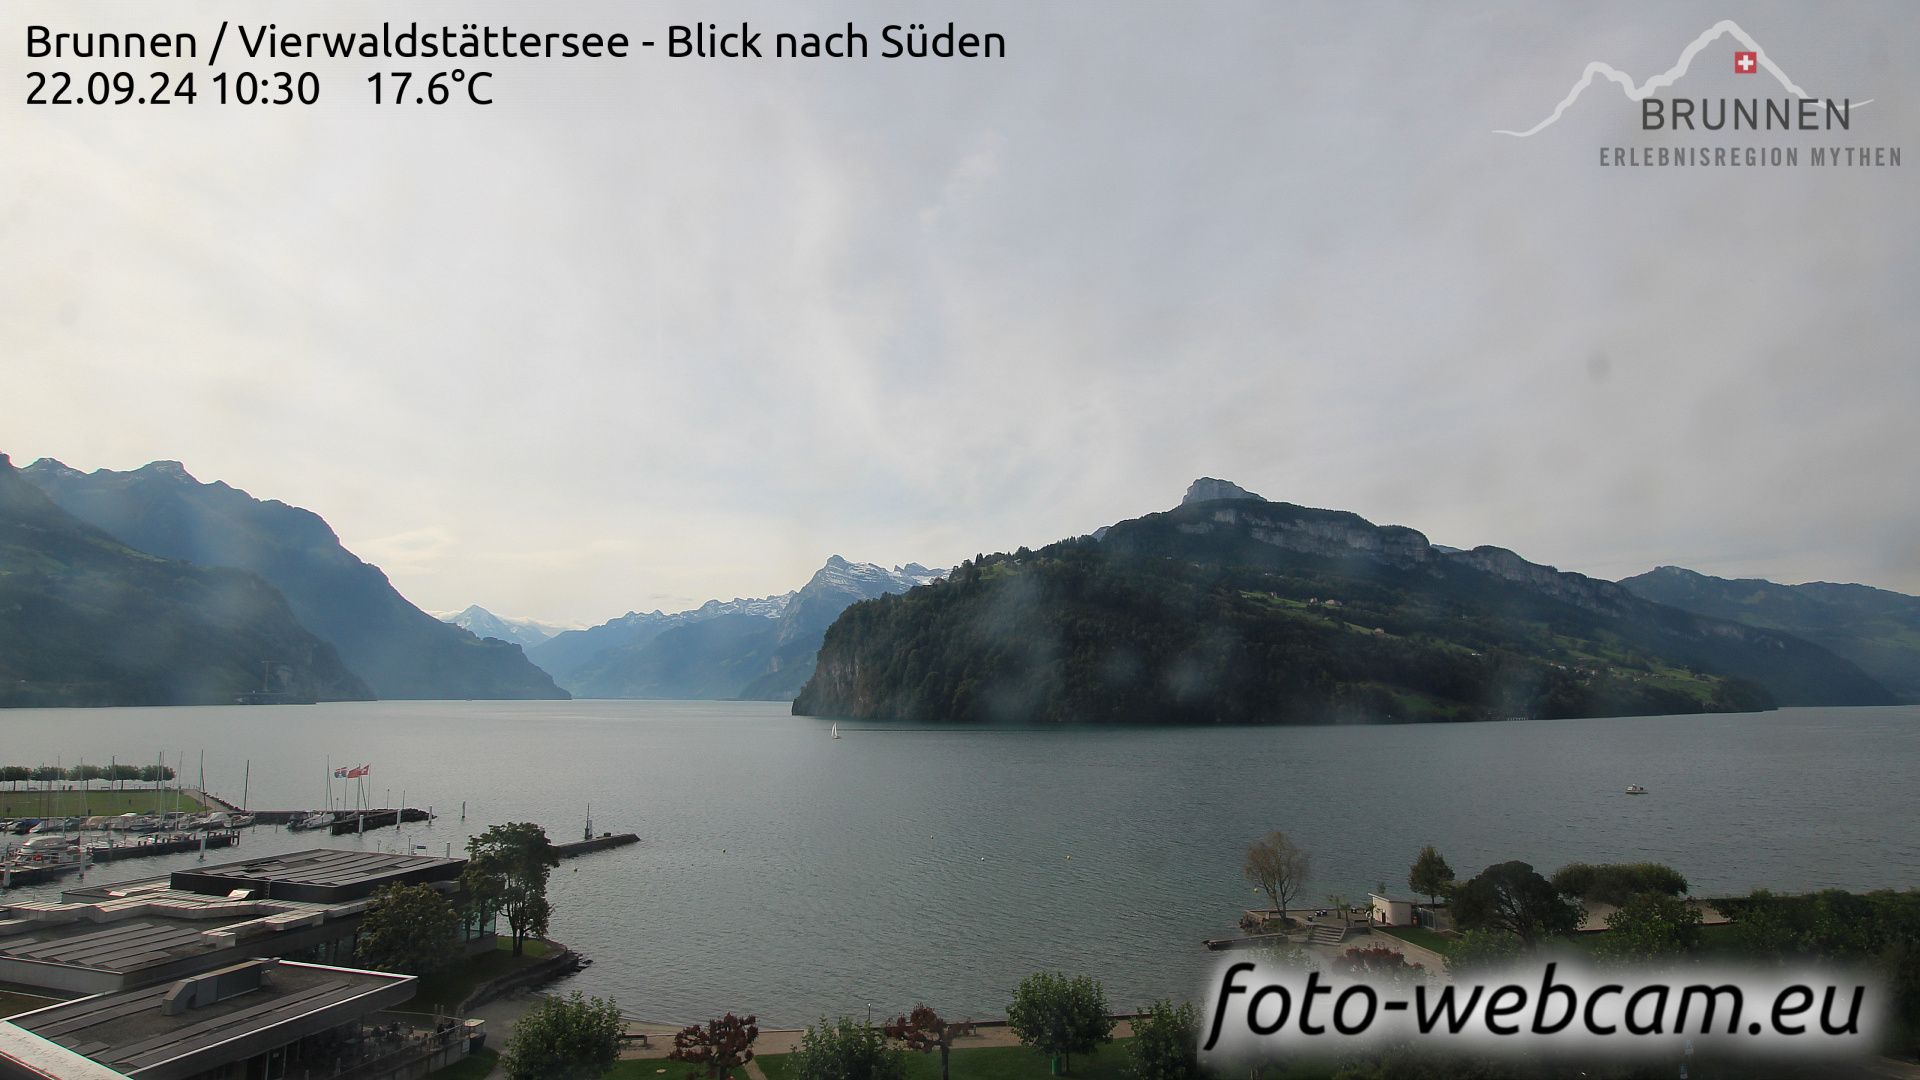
<point>869,1014</point>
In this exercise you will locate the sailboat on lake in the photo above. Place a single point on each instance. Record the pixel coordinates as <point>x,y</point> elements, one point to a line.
<point>836,729</point>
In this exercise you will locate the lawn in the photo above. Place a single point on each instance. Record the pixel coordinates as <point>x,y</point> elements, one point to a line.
<point>445,989</point>
<point>1421,936</point>
<point>1111,1062</point>
<point>77,803</point>
<point>471,1067</point>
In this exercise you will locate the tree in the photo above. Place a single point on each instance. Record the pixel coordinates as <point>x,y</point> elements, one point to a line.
<point>1278,952</point>
<point>924,1031</point>
<point>1510,896</point>
<point>718,1047</point>
<point>572,1038</point>
<point>1166,1043</point>
<point>1059,1016</point>
<point>507,868</point>
<point>409,929</point>
<point>1617,883</point>
<point>1651,926</point>
<point>1379,965</point>
<point>1279,868</point>
<point>846,1049</point>
<point>1483,950</point>
<point>1430,875</point>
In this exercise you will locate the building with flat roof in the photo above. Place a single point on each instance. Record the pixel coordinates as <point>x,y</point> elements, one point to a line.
<point>193,976</point>
<point>306,905</point>
<point>260,1018</point>
<point>302,906</point>
<point>319,875</point>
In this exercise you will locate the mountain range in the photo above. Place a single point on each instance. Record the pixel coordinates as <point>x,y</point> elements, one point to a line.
<point>1876,629</point>
<point>398,650</point>
<point>150,587</point>
<point>86,620</point>
<point>743,648</point>
<point>1231,608</point>
<point>480,622</point>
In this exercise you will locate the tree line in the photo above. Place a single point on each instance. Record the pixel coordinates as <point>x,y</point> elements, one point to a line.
<point>85,774</point>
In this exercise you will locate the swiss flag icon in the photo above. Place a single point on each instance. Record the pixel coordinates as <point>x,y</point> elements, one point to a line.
<point>1746,63</point>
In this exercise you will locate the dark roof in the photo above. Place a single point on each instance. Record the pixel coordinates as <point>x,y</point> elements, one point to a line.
<point>122,946</point>
<point>319,875</point>
<point>134,1032</point>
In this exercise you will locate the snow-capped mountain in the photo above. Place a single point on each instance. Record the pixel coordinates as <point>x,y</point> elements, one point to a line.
<point>758,648</point>
<point>480,622</point>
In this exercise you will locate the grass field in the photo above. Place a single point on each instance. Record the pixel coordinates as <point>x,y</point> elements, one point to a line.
<point>1112,1062</point>
<point>1421,936</point>
<point>981,1063</point>
<point>471,1067</point>
<point>76,803</point>
<point>446,989</point>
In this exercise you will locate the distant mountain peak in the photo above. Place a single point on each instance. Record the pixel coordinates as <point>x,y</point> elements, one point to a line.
<point>836,561</point>
<point>172,470</point>
<point>47,466</point>
<point>1208,489</point>
<point>480,622</point>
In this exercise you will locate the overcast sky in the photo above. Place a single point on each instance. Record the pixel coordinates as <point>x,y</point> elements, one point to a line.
<point>647,332</point>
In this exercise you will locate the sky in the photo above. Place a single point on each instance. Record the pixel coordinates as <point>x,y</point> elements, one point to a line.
<point>651,331</point>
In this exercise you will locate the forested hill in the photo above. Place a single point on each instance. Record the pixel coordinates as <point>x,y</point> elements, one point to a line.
<point>1875,628</point>
<point>85,620</point>
<point>1239,610</point>
<point>401,651</point>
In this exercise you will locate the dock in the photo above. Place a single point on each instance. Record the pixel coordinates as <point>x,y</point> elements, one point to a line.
<point>13,875</point>
<point>1224,944</point>
<point>603,842</point>
<point>358,821</point>
<point>283,817</point>
<point>163,845</point>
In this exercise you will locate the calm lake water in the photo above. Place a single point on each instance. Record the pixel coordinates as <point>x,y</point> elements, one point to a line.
<point>788,874</point>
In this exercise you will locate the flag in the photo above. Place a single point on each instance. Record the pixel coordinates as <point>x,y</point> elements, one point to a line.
<point>341,773</point>
<point>358,771</point>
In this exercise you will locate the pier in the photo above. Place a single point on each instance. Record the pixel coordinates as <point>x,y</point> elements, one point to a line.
<point>603,842</point>
<point>358,821</point>
<point>164,845</point>
<point>13,875</point>
<point>283,817</point>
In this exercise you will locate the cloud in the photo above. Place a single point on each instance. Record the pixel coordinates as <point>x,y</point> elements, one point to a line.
<point>418,551</point>
<point>925,310</point>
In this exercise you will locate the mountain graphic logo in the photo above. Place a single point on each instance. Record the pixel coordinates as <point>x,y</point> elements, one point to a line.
<point>1749,60</point>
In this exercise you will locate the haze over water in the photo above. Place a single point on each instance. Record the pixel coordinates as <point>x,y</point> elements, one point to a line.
<point>785,873</point>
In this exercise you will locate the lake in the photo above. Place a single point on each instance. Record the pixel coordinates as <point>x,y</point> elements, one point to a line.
<point>789,874</point>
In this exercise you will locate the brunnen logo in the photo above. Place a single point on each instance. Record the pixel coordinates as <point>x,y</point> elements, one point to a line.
<point>1682,117</point>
